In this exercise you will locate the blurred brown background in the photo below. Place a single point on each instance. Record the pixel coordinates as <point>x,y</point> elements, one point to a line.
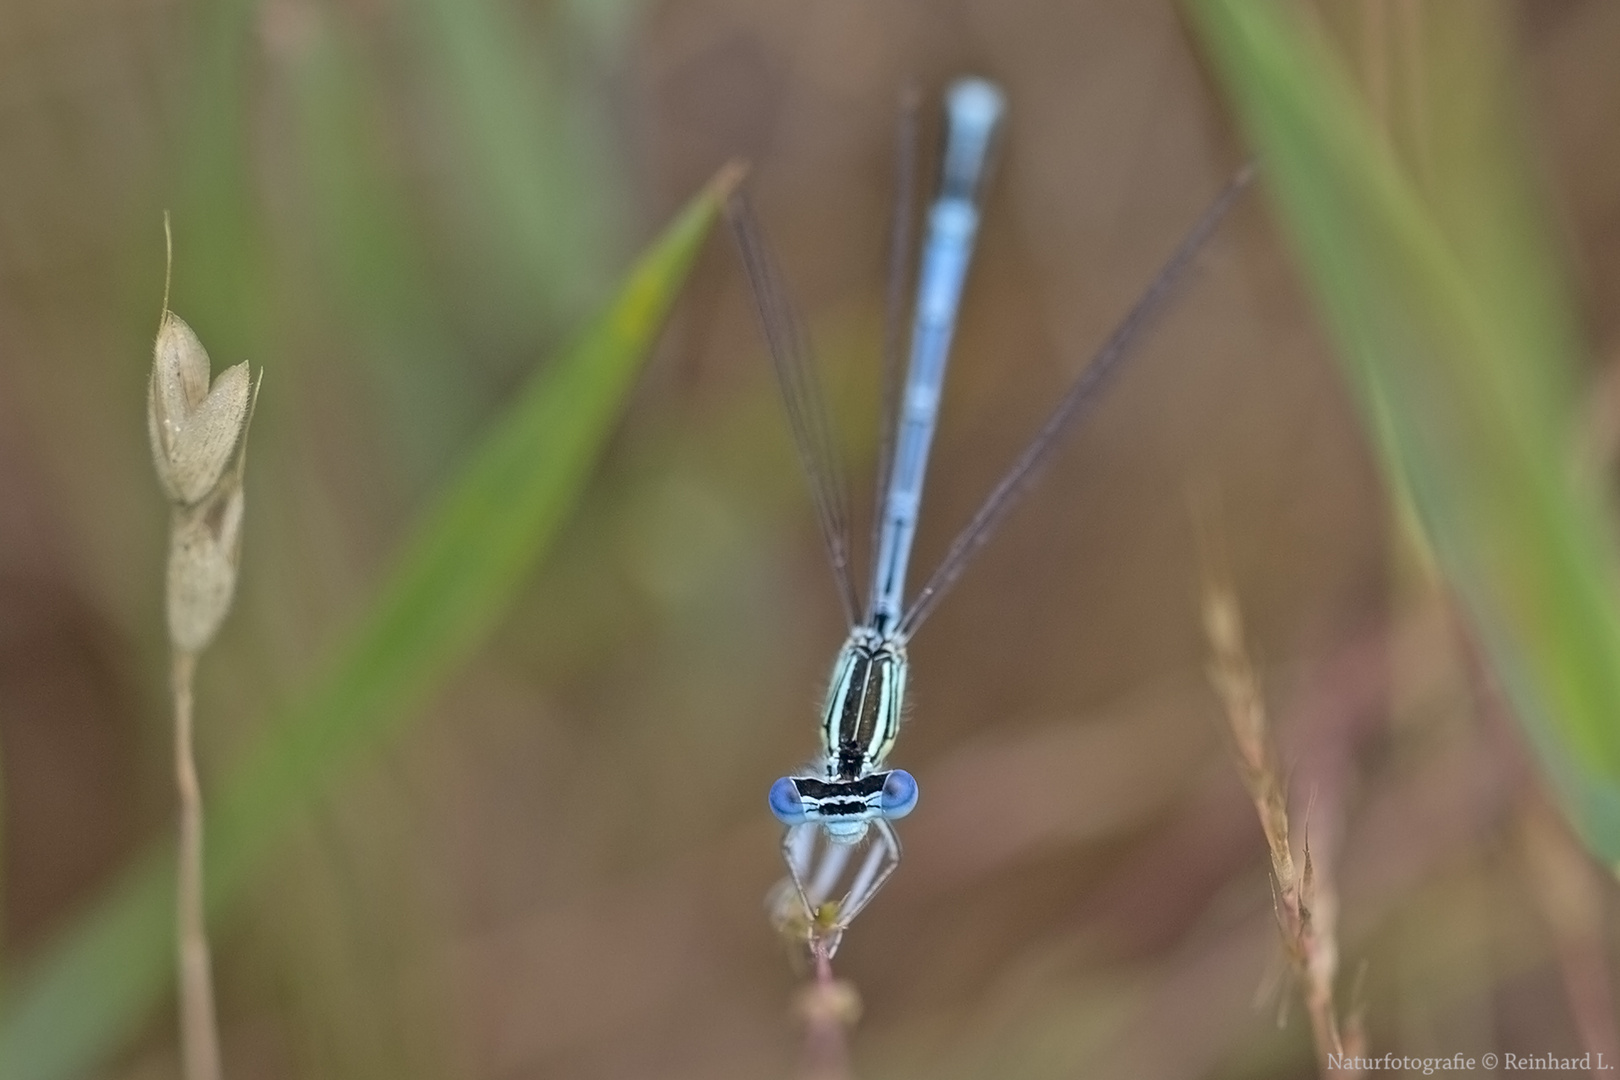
<point>398,208</point>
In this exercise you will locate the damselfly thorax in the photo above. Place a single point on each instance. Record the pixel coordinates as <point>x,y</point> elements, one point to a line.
<point>864,703</point>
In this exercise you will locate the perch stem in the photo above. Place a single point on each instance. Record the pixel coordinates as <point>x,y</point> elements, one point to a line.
<point>199,1036</point>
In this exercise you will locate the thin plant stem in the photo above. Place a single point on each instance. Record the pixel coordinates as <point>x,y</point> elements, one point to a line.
<point>199,1036</point>
<point>830,1006</point>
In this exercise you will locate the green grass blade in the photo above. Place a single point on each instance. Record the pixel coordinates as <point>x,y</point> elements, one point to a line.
<point>512,112</point>
<point>449,588</point>
<point>1454,325</point>
<point>370,268</point>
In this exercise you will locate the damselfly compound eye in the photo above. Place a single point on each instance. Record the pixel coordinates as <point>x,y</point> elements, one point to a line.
<point>899,794</point>
<point>785,802</point>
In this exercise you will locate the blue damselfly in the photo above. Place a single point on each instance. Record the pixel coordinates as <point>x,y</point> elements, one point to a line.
<point>840,844</point>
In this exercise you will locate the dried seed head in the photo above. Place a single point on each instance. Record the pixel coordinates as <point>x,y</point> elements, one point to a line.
<point>205,543</point>
<point>195,430</point>
<point>199,444</point>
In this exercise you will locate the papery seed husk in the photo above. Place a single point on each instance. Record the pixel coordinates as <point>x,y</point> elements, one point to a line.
<point>204,548</point>
<point>156,430</point>
<point>194,429</point>
<point>204,444</point>
<point>180,368</point>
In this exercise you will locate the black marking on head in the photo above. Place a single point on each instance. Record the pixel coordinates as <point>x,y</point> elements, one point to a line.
<point>821,790</point>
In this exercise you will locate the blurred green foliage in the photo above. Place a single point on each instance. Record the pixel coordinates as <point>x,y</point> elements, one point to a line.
<point>1430,254</point>
<point>451,585</point>
<point>531,216</point>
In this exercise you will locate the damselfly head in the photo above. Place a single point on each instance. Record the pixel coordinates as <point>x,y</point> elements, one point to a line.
<point>843,808</point>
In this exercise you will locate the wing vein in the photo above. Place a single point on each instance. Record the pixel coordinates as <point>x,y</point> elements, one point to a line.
<point>802,396</point>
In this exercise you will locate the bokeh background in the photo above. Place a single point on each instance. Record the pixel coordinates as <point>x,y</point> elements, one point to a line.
<point>399,209</point>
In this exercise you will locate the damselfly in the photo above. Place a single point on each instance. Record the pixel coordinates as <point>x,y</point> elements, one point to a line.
<point>840,844</point>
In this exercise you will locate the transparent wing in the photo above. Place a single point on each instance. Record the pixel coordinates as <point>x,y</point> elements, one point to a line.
<point>802,395</point>
<point>894,310</point>
<point>1084,391</point>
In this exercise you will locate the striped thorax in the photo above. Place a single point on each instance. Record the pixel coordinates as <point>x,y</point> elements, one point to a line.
<point>863,704</point>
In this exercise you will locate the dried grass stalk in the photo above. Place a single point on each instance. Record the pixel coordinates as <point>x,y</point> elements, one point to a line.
<point>198,430</point>
<point>199,1036</point>
<point>829,1008</point>
<point>1305,904</point>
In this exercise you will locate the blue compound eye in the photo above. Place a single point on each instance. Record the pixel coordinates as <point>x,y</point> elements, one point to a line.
<point>899,794</point>
<point>785,802</point>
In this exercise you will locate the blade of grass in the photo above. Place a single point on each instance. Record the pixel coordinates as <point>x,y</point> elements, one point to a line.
<point>530,149</point>
<point>449,588</point>
<point>217,219</point>
<point>1454,328</point>
<point>370,260</point>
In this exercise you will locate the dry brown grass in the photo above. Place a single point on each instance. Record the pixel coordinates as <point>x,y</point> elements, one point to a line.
<point>1305,898</point>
